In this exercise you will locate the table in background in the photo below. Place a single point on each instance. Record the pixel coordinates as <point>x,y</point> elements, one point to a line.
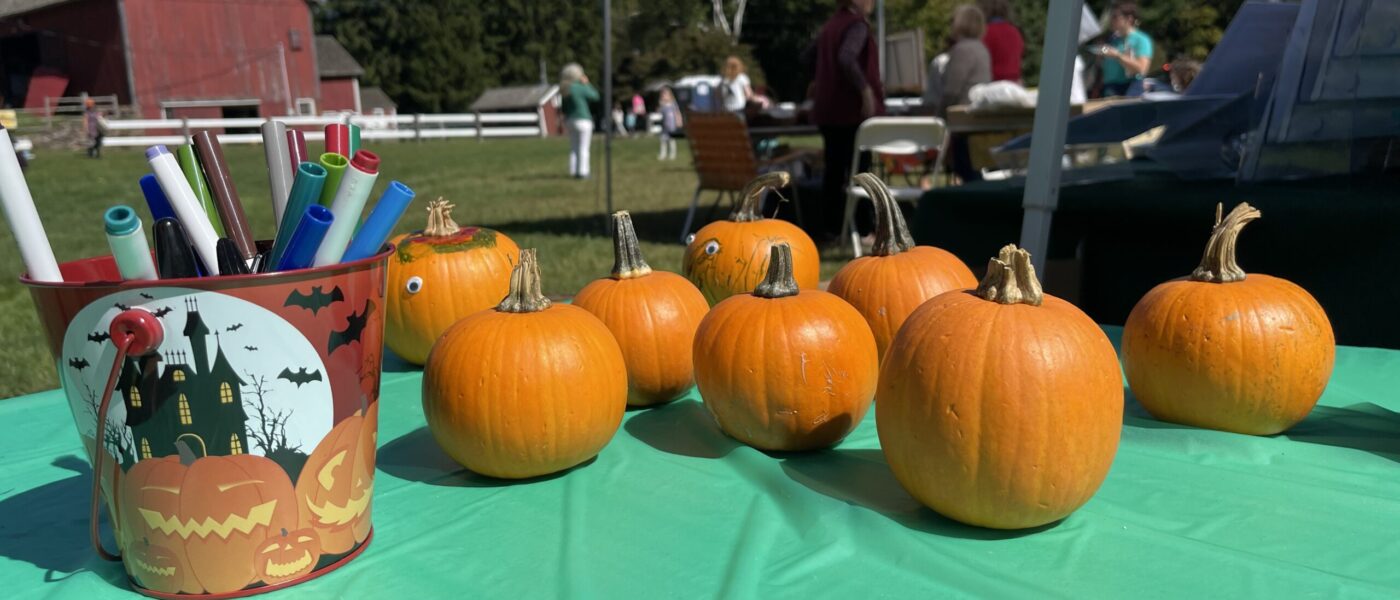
<point>674,509</point>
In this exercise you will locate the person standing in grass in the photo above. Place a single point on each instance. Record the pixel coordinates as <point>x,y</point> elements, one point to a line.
<point>671,121</point>
<point>578,119</point>
<point>92,121</point>
<point>1127,54</point>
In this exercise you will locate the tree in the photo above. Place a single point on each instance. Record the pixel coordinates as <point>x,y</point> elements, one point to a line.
<point>271,432</point>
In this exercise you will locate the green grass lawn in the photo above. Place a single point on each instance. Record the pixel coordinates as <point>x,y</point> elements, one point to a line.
<point>519,187</point>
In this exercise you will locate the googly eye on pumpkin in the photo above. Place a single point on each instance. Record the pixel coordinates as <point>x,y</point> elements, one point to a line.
<point>414,285</point>
<point>689,238</point>
<point>711,247</point>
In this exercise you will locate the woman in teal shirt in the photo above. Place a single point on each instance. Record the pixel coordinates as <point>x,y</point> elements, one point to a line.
<point>578,119</point>
<point>1127,54</point>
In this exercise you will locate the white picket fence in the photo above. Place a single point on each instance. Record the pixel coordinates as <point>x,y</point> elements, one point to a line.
<point>372,127</point>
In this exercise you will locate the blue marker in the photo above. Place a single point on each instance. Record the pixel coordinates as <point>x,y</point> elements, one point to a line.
<point>306,239</point>
<point>155,198</point>
<point>375,231</point>
<point>128,242</point>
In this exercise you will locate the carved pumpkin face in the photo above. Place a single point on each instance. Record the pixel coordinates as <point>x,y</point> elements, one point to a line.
<point>157,567</point>
<point>337,484</point>
<point>288,556</point>
<point>208,510</point>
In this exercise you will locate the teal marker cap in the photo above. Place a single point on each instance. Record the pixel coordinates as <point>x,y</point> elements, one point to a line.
<point>121,220</point>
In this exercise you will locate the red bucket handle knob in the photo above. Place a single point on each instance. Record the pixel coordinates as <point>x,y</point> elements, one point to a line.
<point>141,328</point>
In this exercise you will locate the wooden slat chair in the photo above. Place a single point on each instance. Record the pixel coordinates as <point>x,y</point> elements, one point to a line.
<point>724,160</point>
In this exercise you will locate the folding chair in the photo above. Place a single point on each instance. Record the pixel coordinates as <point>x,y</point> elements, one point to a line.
<point>898,136</point>
<point>725,161</point>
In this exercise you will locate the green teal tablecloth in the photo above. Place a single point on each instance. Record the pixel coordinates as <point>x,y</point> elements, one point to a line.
<point>673,509</point>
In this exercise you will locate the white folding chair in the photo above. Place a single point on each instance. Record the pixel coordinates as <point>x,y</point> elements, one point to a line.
<point>892,135</point>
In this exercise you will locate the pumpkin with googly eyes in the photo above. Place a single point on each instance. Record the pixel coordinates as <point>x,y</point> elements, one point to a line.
<point>730,257</point>
<point>439,275</point>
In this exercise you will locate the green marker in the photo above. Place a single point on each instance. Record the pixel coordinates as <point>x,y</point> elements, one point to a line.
<point>354,138</point>
<point>189,164</point>
<point>306,190</point>
<point>335,168</point>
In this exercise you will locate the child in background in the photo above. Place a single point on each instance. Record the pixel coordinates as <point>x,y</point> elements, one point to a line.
<point>1183,71</point>
<point>671,121</point>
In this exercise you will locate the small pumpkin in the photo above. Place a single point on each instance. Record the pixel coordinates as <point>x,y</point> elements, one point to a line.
<point>783,369</point>
<point>1000,407</point>
<point>288,556</point>
<point>897,276</point>
<point>730,257</point>
<point>653,315</point>
<point>527,389</point>
<point>157,568</point>
<point>335,490</point>
<point>440,275</point>
<point>1225,350</point>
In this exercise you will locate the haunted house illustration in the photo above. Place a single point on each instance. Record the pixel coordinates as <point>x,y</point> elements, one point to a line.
<point>189,399</point>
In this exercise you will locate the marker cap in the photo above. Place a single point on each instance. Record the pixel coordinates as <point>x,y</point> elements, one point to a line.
<point>366,161</point>
<point>155,151</point>
<point>121,220</point>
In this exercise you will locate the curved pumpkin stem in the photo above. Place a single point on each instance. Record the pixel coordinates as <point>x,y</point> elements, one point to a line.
<point>1011,279</point>
<point>748,209</point>
<point>779,283</point>
<point>627,253</point>
<point>525,295</point>
<point>1218,265</point>
<point>891,232</point>
<point>440,223</point>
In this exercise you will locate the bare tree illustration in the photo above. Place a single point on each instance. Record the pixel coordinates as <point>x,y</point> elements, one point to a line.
<point>116,437</point>
<point>271,433</point>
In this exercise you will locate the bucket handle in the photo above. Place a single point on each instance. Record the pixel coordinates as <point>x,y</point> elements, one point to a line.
<point>134,332</point>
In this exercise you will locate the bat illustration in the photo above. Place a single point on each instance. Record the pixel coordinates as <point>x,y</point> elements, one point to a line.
<point>316,300</point>
<point>251,348</point>
<point>122,306</point>
<point>161,312</point>
<point>78,363</point>
<point>299,377</point>
<point>234,327</point>
<point>147,296</point>
<point>354,326</point>
<point>99,336</point>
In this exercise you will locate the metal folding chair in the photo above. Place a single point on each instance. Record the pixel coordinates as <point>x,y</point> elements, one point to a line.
<point>892,136</point>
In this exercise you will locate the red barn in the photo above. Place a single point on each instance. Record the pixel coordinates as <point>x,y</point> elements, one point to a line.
<point>169,58</point>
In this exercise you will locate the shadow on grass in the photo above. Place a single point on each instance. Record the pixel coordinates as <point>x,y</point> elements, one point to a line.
<point>47,526</point>
<point>660,227</point>
<point>683,428</point>
<point>415,456</point>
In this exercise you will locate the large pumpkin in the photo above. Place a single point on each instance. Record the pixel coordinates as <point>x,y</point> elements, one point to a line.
<point>212,511</point>
<point>1224,350</point>
<point>288,556</point>
<point>1000,407</point>
<point>527,389</point>
<point>440,275</point>
<point>730,257</point>
<point>782,369</point>
<point>897,276</point>
<point>336,487</point>
<point>653,315</point>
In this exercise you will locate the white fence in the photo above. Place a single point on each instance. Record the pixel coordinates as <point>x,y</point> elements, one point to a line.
<point>372,127</point>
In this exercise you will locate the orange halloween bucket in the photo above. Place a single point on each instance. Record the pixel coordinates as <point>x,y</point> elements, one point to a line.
<point>231,421</point>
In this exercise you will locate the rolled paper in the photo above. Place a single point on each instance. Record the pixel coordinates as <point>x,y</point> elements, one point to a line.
<point>23,217</point>
<point>128,243</point>
<point>354,138</point>
<point>187,208</point>
<point>306,190</point>
<point>211,157</point>
<point>338,139</point>
<point>296,150</point>
<point>279,170</point>
<point>155,198</point>
<point>335,165</point>
<point>380,222</point>
<point>174,256</point>
<point>306,238</point>
<point>348,205</point>
<point>189,165</point>
<point>231,261</point>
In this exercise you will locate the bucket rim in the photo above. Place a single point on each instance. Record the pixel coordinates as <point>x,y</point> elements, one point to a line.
<point>197,282</point>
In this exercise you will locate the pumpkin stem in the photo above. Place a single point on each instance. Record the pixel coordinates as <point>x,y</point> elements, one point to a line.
<point>1011,279</point>
<point>187,456</point>
<point>1218,264</point>
<point>748,209</point>
<point>627,254</point>
<point>440,223</point>
<point>891,232</point>
<point>779,283</point>
<point>525,295</point>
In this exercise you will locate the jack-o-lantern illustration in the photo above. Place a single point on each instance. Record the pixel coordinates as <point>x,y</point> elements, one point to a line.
<point>157,567</point>
<point>287,556</point>
<point>336,486</point>
<point>208,509</point>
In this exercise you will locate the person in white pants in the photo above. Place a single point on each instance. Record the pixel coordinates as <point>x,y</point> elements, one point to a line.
<point>578,119</point>
<point>671,121</point>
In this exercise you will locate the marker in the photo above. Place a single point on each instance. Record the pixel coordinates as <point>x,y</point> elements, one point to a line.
<point>24,221</point>
<point>279,170</point>
<point>296,148</point>
<point>211,155</point>
<point>189,166</point>
<point>230,258</point>
<point>307,238</point>
<point>306,189</point>
<point>128,243</point>
<point>182,199</point>
<point>338,139</point>
<point>354,138</point>
<point>348,205</point>
<point>379,223</point>
<point>335,165</point>
<point>155,198</point>
<point>174,256</point>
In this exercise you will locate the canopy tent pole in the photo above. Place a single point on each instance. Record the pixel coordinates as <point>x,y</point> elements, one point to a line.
<point>1042,193</point>
<point>880,33</point>
<point>607,113</point>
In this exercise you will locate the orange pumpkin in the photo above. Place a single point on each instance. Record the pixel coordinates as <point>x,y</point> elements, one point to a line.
<point>288,556</point>
<point>1000,407</point>
<point>208,510</point>
<point>440,275</point>
<point>527,389</point>
<point>157,567</point>
<point>1222,350</point>
<point>336,486</point>
<point>785,370</point>
<point>730,257</point>
<point>897,276</point>
<point>653,315</point>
